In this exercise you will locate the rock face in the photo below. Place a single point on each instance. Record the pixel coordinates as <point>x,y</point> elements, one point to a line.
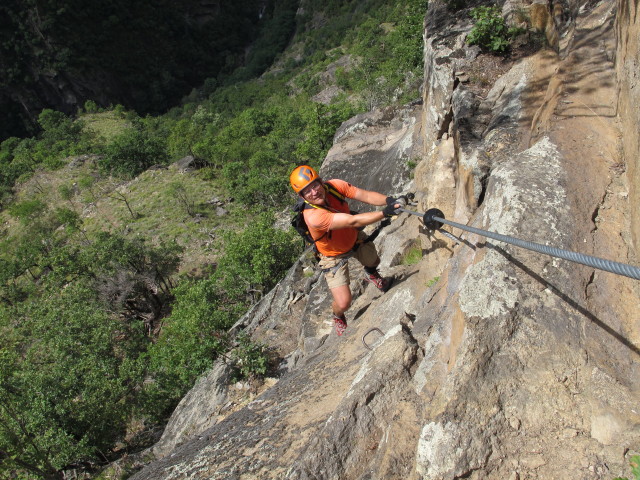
<point>374,150</point>
<point>197,411</point>
<point>627,59</point>
<point>487,360</point>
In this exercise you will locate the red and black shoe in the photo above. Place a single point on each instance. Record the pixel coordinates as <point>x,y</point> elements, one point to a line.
<point>381,283</point>
<point>340,323</point>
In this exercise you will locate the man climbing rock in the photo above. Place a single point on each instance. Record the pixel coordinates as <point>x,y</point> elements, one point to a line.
<point>337,233</point>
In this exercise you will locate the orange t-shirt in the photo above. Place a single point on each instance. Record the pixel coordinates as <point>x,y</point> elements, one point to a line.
<point>319,220</point>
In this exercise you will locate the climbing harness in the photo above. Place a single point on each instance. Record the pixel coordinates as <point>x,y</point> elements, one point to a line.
<point>337,266</point>
<point>433,219</point>
<point>372,236</point>
<point>346,256</point>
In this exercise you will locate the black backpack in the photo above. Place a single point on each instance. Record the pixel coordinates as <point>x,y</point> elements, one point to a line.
<point>298,223</point>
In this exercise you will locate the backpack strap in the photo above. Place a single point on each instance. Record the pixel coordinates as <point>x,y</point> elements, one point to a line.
<point>331,190</point>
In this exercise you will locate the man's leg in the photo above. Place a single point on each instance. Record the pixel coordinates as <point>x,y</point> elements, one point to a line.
<point>341,300</point>
<point>337,276</point>
<point>367,255</point>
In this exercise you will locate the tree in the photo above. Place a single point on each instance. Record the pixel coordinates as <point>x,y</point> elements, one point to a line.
<point>60,137</point>
<point>133,151</point>
<point>133,278</point>
<point>191,339</point>
<point>27,210</point>
<point>255,259</point>
<point>178,191</point>
<point>68,375</point>
<point>194,335</point>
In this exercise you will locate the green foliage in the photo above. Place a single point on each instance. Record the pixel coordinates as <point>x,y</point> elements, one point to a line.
<point>195,334</point>
<point>321,123</point>
<point>119,111</point>
<point>277,28</point>
<point>192,337</point>
<point>250,358</point>
<point>346,16</point>
<point>635,469</point>
<point>75,341</point>
<point>27,210</point>
<point>133,151</point>
<point>388,50</point>
<point>255,259</point>
<point>68,218</point>
<point>66,192</point>
<point>432,282</point>
<point>490,31</point>
<point>252,151</point>
<point>66,379</point>
<point>91,107</point>
<point>59,138</point>
<point>188,134</point>
<point>18,160</point>
<point>405,40</point>
<point>133,278</point>
<point>635,466</point>
<point>412,256</point>
<point>32,258</point>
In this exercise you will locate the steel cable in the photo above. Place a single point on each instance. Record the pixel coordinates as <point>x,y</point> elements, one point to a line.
<point>433,217</point>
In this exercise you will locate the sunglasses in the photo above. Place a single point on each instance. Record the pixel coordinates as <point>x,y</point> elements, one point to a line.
<point>313,186</point>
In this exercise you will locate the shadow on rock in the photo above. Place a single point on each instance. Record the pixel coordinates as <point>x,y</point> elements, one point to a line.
<point>568,300</point>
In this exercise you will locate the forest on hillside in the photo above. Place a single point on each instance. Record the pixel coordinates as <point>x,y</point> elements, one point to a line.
<point>120,270</point>
<point>144,55</point>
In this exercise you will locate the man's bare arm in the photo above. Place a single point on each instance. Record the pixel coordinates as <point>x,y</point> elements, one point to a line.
<point>372,198</point>
<point>344,220</point>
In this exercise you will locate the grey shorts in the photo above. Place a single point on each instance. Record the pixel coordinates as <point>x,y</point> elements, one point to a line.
<point>337,268</point>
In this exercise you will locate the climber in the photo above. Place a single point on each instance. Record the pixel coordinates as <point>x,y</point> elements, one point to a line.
<point>338,235</point>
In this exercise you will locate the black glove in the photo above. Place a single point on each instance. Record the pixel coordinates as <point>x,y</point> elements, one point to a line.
<point>390,210</point>
<point>401,200</point>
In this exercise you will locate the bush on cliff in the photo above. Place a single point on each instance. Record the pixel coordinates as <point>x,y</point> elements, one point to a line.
<point>490,31</point>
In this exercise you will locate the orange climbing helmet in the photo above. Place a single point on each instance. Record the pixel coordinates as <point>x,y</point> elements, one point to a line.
<point>302,176</point>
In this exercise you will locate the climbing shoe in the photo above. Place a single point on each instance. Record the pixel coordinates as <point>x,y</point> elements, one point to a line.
<point>340,323</point>
<point>381,283</point>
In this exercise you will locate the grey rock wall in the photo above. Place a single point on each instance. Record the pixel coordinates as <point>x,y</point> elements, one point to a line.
<point>375,150</point>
